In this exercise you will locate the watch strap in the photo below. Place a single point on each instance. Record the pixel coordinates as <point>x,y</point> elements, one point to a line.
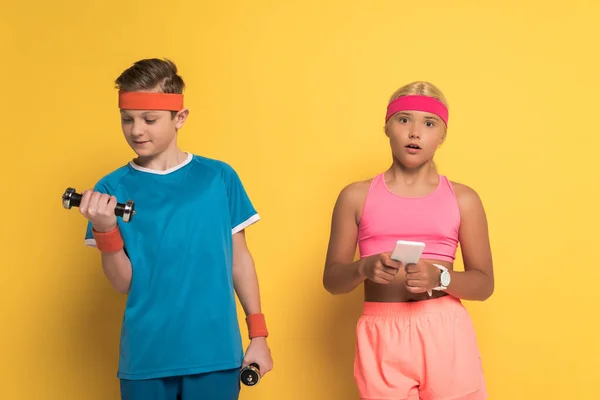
<point>443,269</point>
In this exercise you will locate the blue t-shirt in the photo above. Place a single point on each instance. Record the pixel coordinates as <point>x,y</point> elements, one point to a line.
<point>180,316</point>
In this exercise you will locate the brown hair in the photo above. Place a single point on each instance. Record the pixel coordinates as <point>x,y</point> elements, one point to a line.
<point>151,75</point>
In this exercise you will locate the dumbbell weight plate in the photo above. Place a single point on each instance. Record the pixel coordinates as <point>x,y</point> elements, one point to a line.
<point>250,375</point>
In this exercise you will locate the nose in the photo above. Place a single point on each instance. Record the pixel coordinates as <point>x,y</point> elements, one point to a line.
<point>414,133</point>
<point>137,129</point>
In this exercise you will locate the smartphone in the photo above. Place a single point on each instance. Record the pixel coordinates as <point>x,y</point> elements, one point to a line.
<point>407,252</point>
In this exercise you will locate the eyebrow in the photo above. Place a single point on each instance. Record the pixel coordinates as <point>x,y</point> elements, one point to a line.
<point>430,117</point>
<point>144,114</point>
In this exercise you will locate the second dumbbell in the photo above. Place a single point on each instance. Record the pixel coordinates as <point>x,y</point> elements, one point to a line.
<point>250,374</point>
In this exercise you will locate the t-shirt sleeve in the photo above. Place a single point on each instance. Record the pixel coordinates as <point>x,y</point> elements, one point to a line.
<point>89,237</point>
<point>241,209</point>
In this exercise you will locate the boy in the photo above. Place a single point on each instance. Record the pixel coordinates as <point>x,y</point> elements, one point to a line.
<point>181,257</point>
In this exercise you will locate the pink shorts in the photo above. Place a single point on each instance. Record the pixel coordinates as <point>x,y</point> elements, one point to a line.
<point>418,350</point>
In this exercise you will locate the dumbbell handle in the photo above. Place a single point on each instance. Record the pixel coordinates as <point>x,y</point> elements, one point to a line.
<point>76,201</point>
<point>73,199</point>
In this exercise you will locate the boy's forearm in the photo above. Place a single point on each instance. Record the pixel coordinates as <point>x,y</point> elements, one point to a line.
<point>117,268</point>
<point>343,278</point>
<point>470,285</point>
<point>245,282</point>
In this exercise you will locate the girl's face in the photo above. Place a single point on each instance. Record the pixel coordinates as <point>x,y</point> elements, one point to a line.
<point>415,136</point>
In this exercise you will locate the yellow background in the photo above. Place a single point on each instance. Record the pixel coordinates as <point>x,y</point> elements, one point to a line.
<point>293,95</point>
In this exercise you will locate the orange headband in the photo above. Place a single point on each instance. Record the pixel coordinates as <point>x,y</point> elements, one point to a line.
<point>150,101</point>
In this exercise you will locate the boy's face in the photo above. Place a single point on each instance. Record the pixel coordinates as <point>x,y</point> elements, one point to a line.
<point>149,132</point>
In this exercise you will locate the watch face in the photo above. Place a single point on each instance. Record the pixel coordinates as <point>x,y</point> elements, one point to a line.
<point>445,278</point>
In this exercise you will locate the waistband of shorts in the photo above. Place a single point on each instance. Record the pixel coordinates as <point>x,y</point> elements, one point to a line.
<point>395,309</point>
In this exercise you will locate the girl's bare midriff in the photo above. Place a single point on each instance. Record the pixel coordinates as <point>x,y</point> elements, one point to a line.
<point>396,290</point>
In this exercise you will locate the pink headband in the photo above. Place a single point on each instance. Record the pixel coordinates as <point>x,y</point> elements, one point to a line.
<point>418,103</point>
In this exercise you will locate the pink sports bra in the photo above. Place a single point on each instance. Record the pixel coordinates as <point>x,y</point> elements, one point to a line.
<point>387,217</point>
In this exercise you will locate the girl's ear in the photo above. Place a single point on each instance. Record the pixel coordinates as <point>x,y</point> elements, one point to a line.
<point>443,137</point>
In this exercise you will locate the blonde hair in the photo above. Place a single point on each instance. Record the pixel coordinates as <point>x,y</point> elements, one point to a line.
<point>420,88</point>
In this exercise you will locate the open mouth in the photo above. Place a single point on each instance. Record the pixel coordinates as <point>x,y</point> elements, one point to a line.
<point>412,146</point>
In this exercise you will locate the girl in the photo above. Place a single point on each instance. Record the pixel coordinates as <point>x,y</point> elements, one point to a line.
<point>410,344</point>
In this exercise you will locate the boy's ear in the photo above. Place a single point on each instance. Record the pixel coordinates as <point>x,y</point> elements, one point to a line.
<point>181,117</point>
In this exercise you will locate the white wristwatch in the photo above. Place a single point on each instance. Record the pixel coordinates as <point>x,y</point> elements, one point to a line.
<point>444,277</point>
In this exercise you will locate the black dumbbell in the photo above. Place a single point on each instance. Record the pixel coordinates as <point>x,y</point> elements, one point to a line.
<point>250,374</point>
<point>72,199</point>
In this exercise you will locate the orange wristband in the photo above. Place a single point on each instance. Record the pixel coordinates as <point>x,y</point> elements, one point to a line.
<point>257,327</point>
<point>108,242</point>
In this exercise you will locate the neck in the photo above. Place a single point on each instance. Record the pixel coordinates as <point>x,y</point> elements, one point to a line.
<point>423,173</point>
<point>160,162</point>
